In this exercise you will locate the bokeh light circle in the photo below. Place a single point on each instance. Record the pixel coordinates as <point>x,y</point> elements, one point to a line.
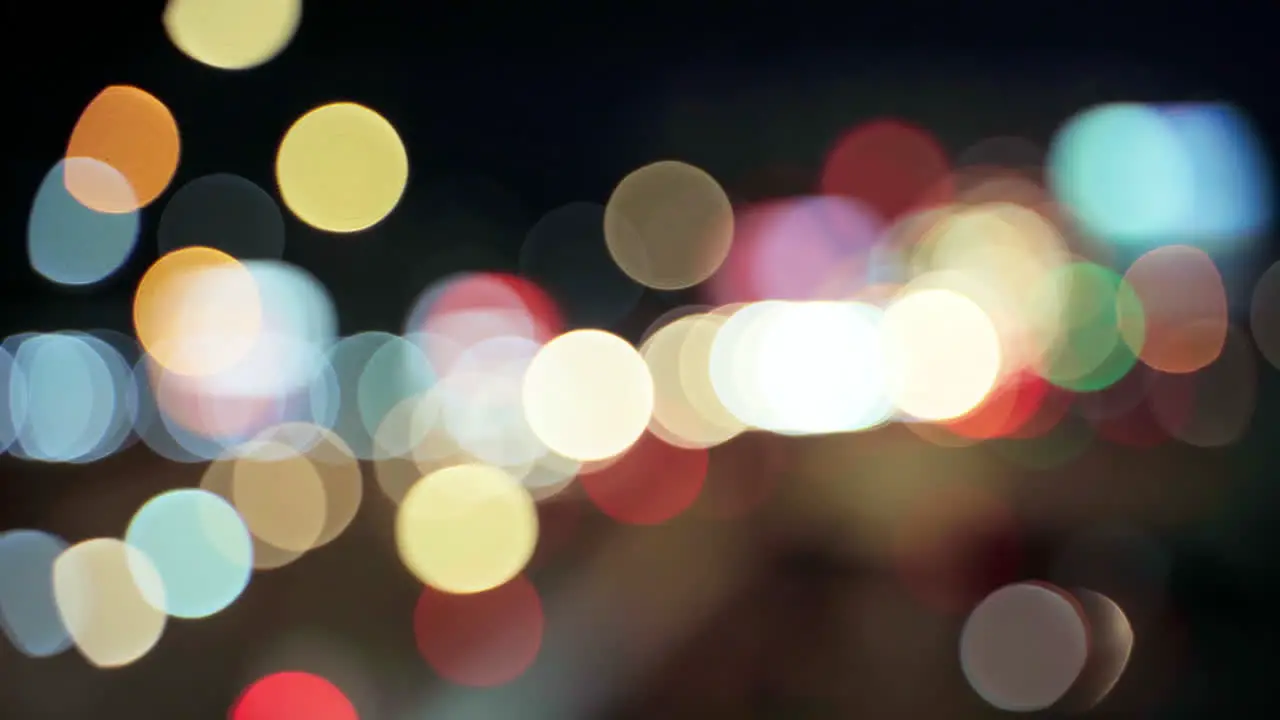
<point>280,493</point>
<point>651,483</point>
<point>341,168</point>
<point>483,639</point>
<point>943,353</point>
<point>197,311</point>
<point>466,528</point>
<point>130,130</point>
<point>293,696</point>
<point>108,595</point>
<point>68,397</point>
<point>565,252</point>
<point>200,547</point>
<point>28,609</point>
<point>686,411</point>
<point>232,34</point>
<point>72,244</point>
<point>668,225</point>
<point>891,165</point>
<point>1184,303</point>
<point>588,395</point>
<point>1023,646</point>
<point>1123,173</point>
<point>1101,330</point>
<point>225,212</point>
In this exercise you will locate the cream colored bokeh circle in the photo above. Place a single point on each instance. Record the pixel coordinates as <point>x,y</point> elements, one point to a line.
<point>669,225</point>
<point>232,34</point>
<point>1007,255</point>
<point>942,353</point>
<point>279,494</point>
<point>466,528</point>
<point>109,597</point>
<point>588,395</point>
<point>686,411</point>
<point>342,168</point>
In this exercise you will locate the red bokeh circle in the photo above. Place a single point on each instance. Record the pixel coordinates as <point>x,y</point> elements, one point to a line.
<point>651,483</point>
<point>293,696</point>
<point>483,639</point>
<point>892,166</point>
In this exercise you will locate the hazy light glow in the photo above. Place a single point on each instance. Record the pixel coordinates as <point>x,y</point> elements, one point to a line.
<point>734,362</point>
<point>1125,173</point>
<point>686,411</point>
<point>822,369</point>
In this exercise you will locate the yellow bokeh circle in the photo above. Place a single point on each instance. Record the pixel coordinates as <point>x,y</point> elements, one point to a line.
<point>341,168</point>
<point>466,528</point>
<point>232,34</point>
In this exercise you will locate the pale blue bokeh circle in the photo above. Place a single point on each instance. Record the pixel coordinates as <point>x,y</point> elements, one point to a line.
<point>200,547</point>
<point>28,610</point>
<point>1124,173</point>
<point>71,244</point>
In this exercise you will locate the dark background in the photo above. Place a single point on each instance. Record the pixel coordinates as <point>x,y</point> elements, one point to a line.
<point>509,111</point>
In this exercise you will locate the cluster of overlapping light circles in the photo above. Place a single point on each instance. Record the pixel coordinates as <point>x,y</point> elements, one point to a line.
<point>975,302</point>
<point>122,154</point>
<point>1030,646</point>
<point>1149,174</point>
<point>70,396</point>
<point>974,287</point>
<point>185,554</point>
